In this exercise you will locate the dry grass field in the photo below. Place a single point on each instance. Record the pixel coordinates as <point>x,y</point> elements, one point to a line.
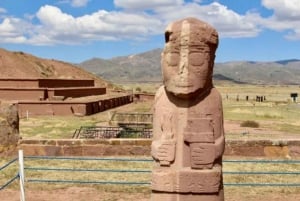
<point>74,192</point>
<point>277,117</point>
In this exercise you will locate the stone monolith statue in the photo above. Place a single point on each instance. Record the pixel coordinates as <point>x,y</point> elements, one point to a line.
<point>188,134</point>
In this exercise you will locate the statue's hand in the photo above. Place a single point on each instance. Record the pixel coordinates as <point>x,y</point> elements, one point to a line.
<point>202,155</point>
<point>163,151</point>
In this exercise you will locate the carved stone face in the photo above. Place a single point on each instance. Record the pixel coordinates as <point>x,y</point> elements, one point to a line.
<point>188,57</point>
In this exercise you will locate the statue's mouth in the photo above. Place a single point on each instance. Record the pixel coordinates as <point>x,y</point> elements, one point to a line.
<point>183,85</point>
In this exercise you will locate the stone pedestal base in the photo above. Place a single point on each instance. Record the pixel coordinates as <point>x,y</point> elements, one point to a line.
<point>187,185</point>
<point>187,180</point>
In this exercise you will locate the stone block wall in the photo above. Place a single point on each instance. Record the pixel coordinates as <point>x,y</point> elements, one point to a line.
<point>45,83</point>
<point>79,147</point>
<point>9,127</point>
<point>11,94</point>
<point>63,83</point>
<point>75,92</point>
<point>65,108</point>
<point>18,83</point>
<point>130,147</point>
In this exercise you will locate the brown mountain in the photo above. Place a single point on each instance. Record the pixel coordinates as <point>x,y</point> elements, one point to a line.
<point>146,67</point>
<point>277,72</point>
<point>137,68</point>
<point>22,65</point>
<point>141,68</point>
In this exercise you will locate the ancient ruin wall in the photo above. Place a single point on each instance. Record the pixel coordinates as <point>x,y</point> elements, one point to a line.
<point>9,127</point>
<point>75,92</point>
<point>109,147</point>
<point>62,83</point>
<point>19,83</point>
<point>44,83</point>
<point>22,94</point>
<point>64,108</point>
<point>51,93</point>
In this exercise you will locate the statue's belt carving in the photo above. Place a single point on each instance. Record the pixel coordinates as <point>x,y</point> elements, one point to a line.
<point>193,137</point>
<point>187,181</point>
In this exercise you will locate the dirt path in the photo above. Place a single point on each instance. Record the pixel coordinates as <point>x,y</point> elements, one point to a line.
<point>92,194</point>
<point>234,130</point>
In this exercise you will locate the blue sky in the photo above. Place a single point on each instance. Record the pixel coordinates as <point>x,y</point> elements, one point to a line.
<point>77,30</point>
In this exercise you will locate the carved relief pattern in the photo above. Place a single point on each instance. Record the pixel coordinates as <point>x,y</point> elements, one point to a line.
<point>188,134</point>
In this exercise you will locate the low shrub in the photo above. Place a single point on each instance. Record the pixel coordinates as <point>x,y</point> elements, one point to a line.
<point>251,124</point>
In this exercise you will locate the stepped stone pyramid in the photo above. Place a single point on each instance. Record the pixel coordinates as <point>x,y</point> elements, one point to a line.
<point>60,96</point>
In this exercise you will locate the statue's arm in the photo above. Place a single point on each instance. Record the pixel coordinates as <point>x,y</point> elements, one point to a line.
<point>219,146</point>
<point>220,136</point>
<point>163,146</point>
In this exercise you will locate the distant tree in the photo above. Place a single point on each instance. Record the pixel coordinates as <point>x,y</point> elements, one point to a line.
<point>138,89</point>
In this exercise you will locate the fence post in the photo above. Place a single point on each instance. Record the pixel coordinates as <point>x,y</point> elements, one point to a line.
<point>21,174</point>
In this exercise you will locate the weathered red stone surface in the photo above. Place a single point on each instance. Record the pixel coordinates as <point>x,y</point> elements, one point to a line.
<point>72,107</point>
<point>9,127</point>
<point>100,147</point>
<point>47,89</point>
<point>51,96</point>
<point>188,134</point>
<point>44,83</point>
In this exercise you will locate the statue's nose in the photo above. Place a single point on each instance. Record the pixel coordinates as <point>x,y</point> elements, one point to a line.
<point>183,65</point>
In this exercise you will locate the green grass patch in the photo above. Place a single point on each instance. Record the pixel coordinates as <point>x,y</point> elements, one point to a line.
<point>63,127</point>
<point>52,127</point>
<point>289,128</point>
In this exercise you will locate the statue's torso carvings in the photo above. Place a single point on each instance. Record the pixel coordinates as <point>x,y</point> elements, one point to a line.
<point>188,144</point>
<point>188,134</point>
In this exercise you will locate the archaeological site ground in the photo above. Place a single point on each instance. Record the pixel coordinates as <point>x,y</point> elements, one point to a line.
<point>261,123</point>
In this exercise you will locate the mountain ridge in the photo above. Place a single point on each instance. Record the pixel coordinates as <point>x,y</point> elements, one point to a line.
<point>146,67</point>
<point>143,67</point>
<point>24,65</point>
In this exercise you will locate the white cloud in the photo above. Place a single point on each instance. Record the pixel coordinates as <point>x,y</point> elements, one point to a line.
<point>79,3</point>
<point>2,10</point>
<point>146,4</point>
<point>53,26</point>
<point>226,21</point>
<point>284,9</point>
<point>286,17</point>
<point>133,22</point>
<point>13,30</point>
<point>294,35</point>
<point>58,27</point>
<point>74,3</point>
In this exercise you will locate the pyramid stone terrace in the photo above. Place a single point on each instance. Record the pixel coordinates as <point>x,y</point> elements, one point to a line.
<point>60,96</point>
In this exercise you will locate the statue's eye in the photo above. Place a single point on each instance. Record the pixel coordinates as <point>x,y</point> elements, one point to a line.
<point>173,58</point>
<point>167,36</point>
<point>197,58</point>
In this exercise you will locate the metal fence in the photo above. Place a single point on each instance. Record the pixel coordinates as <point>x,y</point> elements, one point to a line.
<point>98,132</point>
<point>37,179</point>
<point>147,171</point>
<point>11,180</point>
<point>19,175</point>
<point>121,118</point>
